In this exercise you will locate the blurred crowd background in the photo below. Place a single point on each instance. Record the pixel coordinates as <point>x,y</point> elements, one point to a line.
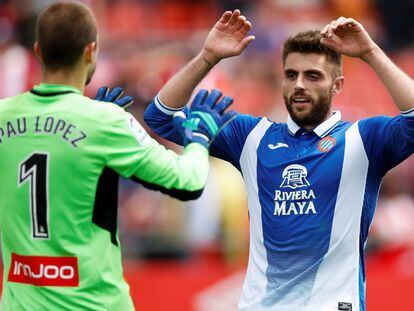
<point>143,43</point>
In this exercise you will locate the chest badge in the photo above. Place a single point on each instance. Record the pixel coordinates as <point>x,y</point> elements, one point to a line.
<point>294,176</point>
<point>326,144</point>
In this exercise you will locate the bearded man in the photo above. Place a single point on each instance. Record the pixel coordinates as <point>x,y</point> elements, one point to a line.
<point>313,182</point>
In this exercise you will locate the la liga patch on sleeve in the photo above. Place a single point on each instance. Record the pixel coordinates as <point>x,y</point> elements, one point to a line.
<point>138,131</point>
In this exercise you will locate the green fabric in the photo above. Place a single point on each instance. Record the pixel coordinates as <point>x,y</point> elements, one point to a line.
<point>50,88</point>
<point>79,137</point>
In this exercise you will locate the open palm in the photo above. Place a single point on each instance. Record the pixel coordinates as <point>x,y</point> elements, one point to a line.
<point>228,37</point>
<point>348,37</point>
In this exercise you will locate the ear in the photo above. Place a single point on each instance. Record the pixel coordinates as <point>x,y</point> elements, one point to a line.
<point>91,51</point>
<point>38,51</point>
<point>338,85</point>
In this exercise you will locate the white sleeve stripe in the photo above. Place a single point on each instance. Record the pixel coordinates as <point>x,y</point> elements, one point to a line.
<point>408,113</point>
<point>165,109</point>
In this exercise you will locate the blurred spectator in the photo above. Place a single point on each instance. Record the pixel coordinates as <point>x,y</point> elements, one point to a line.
<point>393,225</point>
<point>398,20</point>
<point>16,62</point>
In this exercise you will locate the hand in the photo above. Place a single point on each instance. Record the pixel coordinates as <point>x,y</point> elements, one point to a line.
<point>206,118</point>
<point>348,37</point>
<point>228,37</point>
<point>115,96</point>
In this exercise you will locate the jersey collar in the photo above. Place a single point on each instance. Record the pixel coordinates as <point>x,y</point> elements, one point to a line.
<point>44,89</point>
<point>321,130</point>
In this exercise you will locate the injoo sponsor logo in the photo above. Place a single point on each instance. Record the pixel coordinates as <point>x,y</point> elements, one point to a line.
<point>44,271</point>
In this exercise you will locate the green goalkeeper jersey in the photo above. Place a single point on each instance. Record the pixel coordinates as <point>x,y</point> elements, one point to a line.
<point>60,157</point>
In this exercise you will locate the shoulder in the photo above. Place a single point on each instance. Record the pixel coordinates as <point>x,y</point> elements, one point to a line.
<point>12,99</point>
<point>374,120</point>
<point>247,122</point>
<point>255,128</point>
<point>375,123</point>
<point>102,112</point>
<point>12,104</point>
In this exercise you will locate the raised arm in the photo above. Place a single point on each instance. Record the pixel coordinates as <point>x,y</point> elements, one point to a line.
<point>229,37</point>
<point>348,37</point>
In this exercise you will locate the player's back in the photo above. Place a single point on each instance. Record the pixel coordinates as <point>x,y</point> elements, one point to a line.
<point>59,242</point>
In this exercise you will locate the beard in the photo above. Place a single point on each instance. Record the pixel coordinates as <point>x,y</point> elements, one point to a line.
<point>320,108</point>
<point>90,73</point>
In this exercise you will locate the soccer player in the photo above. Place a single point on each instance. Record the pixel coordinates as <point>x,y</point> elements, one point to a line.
<point>61,154</point>
<point>312,182</point>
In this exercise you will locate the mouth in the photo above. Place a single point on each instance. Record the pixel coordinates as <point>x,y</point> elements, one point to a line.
<point>300,100</point>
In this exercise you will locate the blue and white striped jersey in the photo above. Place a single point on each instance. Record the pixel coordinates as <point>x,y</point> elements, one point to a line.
<point>311,197</point>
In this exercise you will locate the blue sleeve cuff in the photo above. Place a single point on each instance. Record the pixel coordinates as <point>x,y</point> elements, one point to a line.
<point>165,109</point>
<point>408,113</point>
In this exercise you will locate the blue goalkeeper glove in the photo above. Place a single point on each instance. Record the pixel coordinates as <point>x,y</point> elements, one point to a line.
<point>207,117</point>
<point>115,96</point>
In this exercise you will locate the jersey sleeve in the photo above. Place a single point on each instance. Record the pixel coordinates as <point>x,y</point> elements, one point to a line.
<point>228,145</point>
<point>388,141</point>
<point>132,153</point>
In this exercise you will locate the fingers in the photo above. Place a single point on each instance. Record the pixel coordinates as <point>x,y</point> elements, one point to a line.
<point>245,28</point>
<point>101,93</point>
<point>234,17</point>
<point>324,31</point>
<point>240,22</point>
<point>225,17</point>
<point>223,104</point>
<point>125,101</point>
<point>244,43</point>
<point>199,98</point>
<point>235,22</point>
<point>212,98</point>
<point>115,94</point>
<point>330,43</point>
<point>340,26</point>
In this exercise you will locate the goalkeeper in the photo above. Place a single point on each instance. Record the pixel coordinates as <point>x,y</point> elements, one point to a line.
<point>61,154</point>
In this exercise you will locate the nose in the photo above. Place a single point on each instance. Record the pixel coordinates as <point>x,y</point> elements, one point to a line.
<point>299,85</point>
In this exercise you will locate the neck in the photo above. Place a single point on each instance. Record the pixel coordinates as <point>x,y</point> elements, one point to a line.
<point>75,78</point>
<point>312,126</point>
<point>309,127</point>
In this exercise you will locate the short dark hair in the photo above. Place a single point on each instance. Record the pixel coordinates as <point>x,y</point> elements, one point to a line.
<point>63,30</point>
<point>310,42</point>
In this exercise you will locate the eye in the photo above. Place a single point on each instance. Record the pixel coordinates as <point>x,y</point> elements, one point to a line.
<point>313,76</point>
<point>290,75</point>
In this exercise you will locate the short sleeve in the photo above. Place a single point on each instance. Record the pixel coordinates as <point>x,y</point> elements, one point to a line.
<point>388,141</point>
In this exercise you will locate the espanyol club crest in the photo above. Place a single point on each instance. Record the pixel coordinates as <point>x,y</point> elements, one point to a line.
<point>326,144</point>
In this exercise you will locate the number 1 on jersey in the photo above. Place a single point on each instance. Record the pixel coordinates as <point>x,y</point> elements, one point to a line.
<point>35,170</point>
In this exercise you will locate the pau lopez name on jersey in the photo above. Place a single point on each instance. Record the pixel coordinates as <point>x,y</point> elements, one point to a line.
<point>290,201</point>
<point>42,125</point>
